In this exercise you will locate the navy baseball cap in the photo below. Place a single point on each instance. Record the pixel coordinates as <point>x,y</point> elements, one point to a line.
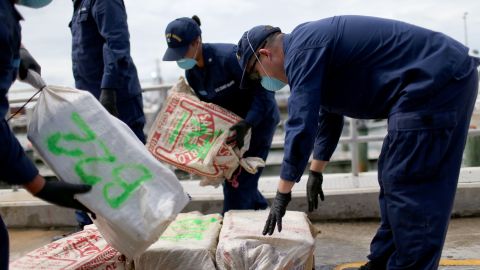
<point>249,43</point>
<point>179,34</point>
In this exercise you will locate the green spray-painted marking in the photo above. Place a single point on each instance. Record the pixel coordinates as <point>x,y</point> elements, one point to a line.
<point>189,229</point>
<point>201,149</point>
<point>176,131</point>
<point>88,136</point>
<point>89,178</point>
<point>128,188</point>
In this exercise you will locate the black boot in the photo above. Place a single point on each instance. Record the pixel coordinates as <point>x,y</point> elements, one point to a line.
<point>373,266</point>
<point>365,266</point>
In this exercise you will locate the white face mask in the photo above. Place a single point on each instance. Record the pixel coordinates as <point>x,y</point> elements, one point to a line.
<point>34,3</point>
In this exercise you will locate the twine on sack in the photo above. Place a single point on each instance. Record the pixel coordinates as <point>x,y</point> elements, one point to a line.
<point>25,104</point>
<point>234,179</point>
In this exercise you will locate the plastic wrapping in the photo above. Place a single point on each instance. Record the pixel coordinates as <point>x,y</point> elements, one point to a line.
<point>188,243</point>
<point>133,195</point>
<point>242,245</point>
<point>82,250</point>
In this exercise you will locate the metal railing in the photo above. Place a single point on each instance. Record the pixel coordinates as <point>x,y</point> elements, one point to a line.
<point>353,139</point>
<point>144,90</point>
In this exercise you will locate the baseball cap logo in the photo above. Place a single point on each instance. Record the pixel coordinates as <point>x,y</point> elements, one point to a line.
<point>170,36</point>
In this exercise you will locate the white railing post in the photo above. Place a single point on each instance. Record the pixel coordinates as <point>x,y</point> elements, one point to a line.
<point>354,145</point>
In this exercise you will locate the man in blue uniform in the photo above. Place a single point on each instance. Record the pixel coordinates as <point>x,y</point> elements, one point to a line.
<point>423,82</point>
<point>102,63</point>
<point>213,72</point>
<point>15,167</point>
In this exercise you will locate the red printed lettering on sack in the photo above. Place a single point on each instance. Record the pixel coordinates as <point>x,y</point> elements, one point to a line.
<point>154,140</point>
<point>185,157</point>
<point>84,247</point>
<point>224,151</point>
<point>172,104</point>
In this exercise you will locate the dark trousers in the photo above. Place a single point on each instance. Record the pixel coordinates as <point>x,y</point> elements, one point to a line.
<point>418,173</point>
<point>3,245</point>
<point>247,195</point>
<point>131,113</point>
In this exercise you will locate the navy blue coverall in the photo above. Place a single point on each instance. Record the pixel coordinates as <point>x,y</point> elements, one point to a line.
<point>101,57</point>
<point>101,60</point>
<point>423,82</point>
<point>15,167</point>
<point>218,82</point>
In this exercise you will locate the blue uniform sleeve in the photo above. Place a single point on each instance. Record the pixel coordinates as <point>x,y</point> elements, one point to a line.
<point>15,167</point>
<point>330,127</point>
<point>305,73</point>
<point>263,103</point>
<point>111,19</point>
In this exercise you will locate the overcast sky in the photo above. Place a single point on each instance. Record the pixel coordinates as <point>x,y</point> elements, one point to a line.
<point>47,36</point>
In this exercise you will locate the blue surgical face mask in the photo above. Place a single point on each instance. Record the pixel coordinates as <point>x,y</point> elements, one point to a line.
<point>34,3</point>
<point>272,84</point>
<point>188,63</point>
<point>269,83</point>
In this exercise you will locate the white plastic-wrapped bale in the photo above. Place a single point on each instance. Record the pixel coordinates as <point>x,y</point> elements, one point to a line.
<point>86,249</point>
<point>133,195</point>
<point>189,242</point>
<point>242,245</point>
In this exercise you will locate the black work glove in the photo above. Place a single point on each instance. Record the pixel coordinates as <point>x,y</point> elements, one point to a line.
<point>27,62</point>
<point>241,128</point>
<point>314,189</point>
<point>277,211</point>
<point>108,98</point>
<point>61,193</point>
